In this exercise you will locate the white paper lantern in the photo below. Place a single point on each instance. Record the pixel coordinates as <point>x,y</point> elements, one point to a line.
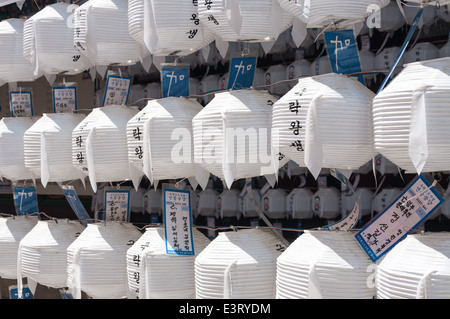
<point>325,203</point>
<point>428,17</point>
<point>416,268</point>
<point>152,91</point>
<point>96,260</point>
<point>207,86</point>
<point>410,117</point>
<point>421,52</point>
<point>365,198</point>
<point>238,265</point>
<point>207,203</point>
<point>389,18</point>
<point>322,120</point>
<point>297,69</point>
<point>42,252</point>
<point>12,230</point>
<point>48,147</point>
<point>227,203</point>
<point>321,13</point>
<point>247,207</point>
<point>99,144</point>
<point>13,65</point>
<point>298,203</point>
<point>154,274</point>
<point>101,33</point>
<point>12,160</point>
<point>274,203</point>
<point>324,265</point>
<point>443,12</point>
<point>48,41</point>
<point>229,115</point>
<point>153,201</point>
<point>276,80</point>
<point>159,140</point>
<point>245,20</point>
<point>384,198</point>
<point>321,65</point>
<point>173,32</point>
<point>136,23</point>
<point>444,51</point>
<point>386,58</point>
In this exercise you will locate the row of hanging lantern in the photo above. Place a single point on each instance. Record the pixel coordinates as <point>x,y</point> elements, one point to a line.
<point>318,124</point>
<point>111,260</point>
<point>69,39</point>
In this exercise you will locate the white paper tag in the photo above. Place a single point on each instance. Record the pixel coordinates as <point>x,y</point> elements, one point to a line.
<point>408,211</point>
<point>177,221</point>
<point>117,204</point>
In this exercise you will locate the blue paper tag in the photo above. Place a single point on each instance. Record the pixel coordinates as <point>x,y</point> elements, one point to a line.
<point>343,52</point>
<point>21,103</point>
<point>177,222</point>
<point>64,99</point>
<point>25,199</point>
<point>175,81</point>
<point>418,201</point>
<point>26,293</point>
<point>242,72</point>
<point>76,204</point>
<point>117,90</point>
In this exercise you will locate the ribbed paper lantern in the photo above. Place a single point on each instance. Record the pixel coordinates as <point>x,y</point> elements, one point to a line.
<point>416,268</point>
<point>48,147</point>
<point>97,260</point>
<point>173,32</point>
<point>427,18</point>
<point>444,12</point>
<point>276,80</point>
<point>386,58</point>
<point>99,144</point>
<point>274,204</point>
<point>227,203</point>
<point>42,252</point>
<point>136,22</point>
<point>298,203</point>
<point>444,51</point>
<point>234,113</point>
<point>12,230</point>
<point>321,13</point>
<point>101,33</point>
<point>238,265</point>
<point>12,160</point>
<point>159,139</point>
<point>153,201</point>
<point>245,20</point>
<point>154,274</point>
<point>390,18</point>
<point>298,68</point>
<point>324,265</point>
<point>365,198</point>
<point>246,206</point>
<point>322,120</point>
<point>207,86</point>
<point>48,41</point>
<point>421,52</point>
<point>321,65</point>
<point>384,198</point>
<point>207,203</point>
<point>325,203</point>
<point>410,117</point>
<point>13,65</point>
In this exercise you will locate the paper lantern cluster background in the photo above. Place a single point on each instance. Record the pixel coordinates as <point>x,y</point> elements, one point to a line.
<point>323,120</point>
